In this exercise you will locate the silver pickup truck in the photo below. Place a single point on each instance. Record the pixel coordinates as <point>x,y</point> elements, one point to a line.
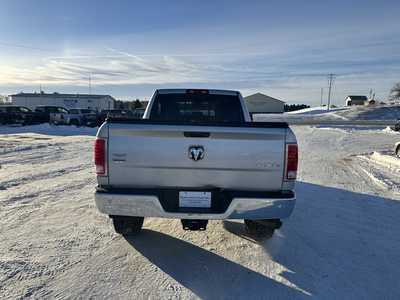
<point>195,156</point>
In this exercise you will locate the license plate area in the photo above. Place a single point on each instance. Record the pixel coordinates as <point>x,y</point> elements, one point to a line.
<point>220,200</point>
<point>199,199</point>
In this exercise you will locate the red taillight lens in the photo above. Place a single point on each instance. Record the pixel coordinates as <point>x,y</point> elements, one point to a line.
<point>100,156</point>
<point>292,159</point>
<point>197,91</point>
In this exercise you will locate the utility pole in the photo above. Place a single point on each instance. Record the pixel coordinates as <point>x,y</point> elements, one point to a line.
<point>331,77</point>
<point>322,95</point>
<point>90,84</point>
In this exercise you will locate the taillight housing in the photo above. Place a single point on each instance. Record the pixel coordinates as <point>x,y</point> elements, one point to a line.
<point>292,159</point>
<point>197,91</point>
<point>100,156</point>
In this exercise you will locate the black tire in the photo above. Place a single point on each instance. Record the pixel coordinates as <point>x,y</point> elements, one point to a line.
<point>398,151</point>
<point>259,230</point>
<point>127,225</point>
<point>74,122</point>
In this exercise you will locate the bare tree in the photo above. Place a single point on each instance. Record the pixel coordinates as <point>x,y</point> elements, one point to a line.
<point>395,92</point>
<point>137,104</point>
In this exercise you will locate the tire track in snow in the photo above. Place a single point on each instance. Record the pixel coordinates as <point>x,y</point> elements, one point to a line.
<point>39,176</point>
<point>26,198</point>
<point>379,174</point>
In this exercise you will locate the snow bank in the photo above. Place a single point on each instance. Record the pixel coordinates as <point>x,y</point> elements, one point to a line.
<point>316,110</point>
<point>383,170</point>
<point>379,112</point>
<point>49,130</point>
<point>388,129</point>
<point>352,128</point>
<point>390,161</point>
<point>345,119</point>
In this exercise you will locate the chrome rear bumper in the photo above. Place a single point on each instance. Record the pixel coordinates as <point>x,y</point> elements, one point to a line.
<point>243,207</point>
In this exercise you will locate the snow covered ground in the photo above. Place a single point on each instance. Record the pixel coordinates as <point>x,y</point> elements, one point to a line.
<point>342,242</point>
<point>387,114</point>
<point>316,110</point>
<point>47,129</point>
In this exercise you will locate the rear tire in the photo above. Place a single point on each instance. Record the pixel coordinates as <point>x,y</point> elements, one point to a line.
<point>74,122</point>
<point>127,225</point>
<point>398,151</point>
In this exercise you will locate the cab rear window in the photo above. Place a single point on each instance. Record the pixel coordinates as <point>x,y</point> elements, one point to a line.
<point>197,108</point>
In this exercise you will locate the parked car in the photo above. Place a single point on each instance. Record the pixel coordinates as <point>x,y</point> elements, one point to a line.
<point>44,111</point>
<point>12,114</point>
<point>195,156</point>
<point>7,117</point>
<point>60,117</point>
<point>396,126</point>
<point>82,117</point>
<point>397,149</point>
<point>102,116</point>
<point>139,113</point>
<point>76,116</point>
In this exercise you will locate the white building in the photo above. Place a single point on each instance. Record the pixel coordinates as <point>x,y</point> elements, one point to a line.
<point>3,99</point>
<point>32,100</point>
<point>259,103</point>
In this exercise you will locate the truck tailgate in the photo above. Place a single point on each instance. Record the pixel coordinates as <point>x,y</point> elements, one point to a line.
<point>240,158</point>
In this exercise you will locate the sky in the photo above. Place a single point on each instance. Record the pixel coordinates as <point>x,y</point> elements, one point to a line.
<point>284,49</point>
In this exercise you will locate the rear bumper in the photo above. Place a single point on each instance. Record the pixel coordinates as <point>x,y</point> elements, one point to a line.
<point>242,205</point>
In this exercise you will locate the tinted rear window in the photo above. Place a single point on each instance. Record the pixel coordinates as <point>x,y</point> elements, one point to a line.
<point>197,108</point>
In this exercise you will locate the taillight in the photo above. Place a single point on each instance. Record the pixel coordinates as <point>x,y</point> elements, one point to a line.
<point>197,91</point>
<point>100,156</point>
<point>292,159</point>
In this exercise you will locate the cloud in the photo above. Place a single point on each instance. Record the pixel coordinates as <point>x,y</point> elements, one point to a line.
<point>289,65</point>
<point>103,70</point>
<point>125,68</point>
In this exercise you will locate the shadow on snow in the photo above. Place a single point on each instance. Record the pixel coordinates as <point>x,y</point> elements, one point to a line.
<point>337,244</point>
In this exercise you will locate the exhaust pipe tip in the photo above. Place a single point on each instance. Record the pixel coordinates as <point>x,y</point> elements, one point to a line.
<point>271,223</point>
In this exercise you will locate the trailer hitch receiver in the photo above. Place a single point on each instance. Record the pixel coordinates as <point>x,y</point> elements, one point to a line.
<point>194,225</point>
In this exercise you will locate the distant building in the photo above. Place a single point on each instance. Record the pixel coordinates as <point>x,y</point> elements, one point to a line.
<point>356,100</point>
<point>3,99</point>
<point>262,104</point>
<point>32,100</point>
